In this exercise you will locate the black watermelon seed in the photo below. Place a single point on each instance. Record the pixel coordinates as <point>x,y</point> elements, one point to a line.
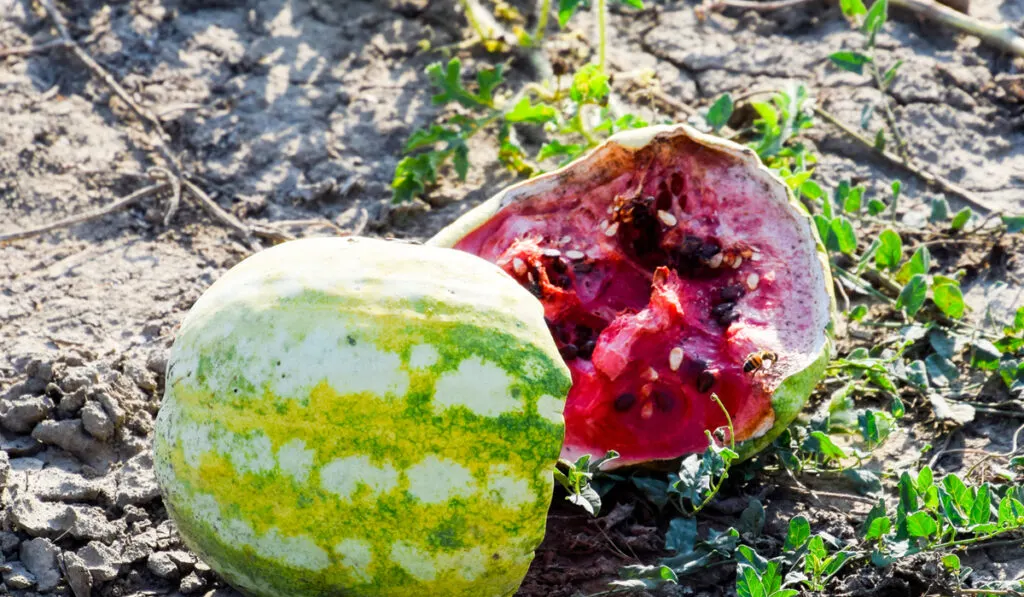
<point>568,352</point>
<point>722,308</point>
<point>728,317</point>
<point>663,401</point>
<point>676,184</point>
<point>624,402</point>
<point>731,292</point>
<point>709,249</point>
<point>705,381</point>
<point>691,245</point>
<point>586,350</point>
<point>583,267</point>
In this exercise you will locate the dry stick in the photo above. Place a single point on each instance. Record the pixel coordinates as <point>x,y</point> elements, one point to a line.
<point>721,5</point>
<point>1001,36</point>
<point>92,215</point>
<point>156,129</point>
<point>33,49</point>
<point>929,178</point>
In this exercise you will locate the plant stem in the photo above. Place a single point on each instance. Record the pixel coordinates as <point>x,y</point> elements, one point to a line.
<point>542,22</point>
<point>890,118</point>
<point>602,33</point>
<point>471,16</point>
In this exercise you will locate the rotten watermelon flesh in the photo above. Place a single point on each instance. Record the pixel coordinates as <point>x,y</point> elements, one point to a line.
<point>668,283</point>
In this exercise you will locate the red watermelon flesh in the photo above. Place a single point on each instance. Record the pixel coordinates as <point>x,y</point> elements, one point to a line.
<point>667,273</point>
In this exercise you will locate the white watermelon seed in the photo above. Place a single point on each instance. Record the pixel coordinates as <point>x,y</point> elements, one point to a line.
<point>715,261</point>
<point>736,264</point>
<point>519,266</point>
<point>752,281</point>
<point>666,218</point>
<point>675,358</point>
<point>611,229</point>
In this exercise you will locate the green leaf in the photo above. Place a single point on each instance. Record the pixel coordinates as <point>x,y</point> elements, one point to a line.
<point>719,112</point>
<point>921,524</point>
<point>875,19</point>
<point>413,174</point>
<point>961,495</point>
<point>823,444</point>
<point>941,370</point>
<point>681,535</point>
<point>912,296</point>
<point>908,493</point>
<point>852,203</point>
<point>876,206</point>
<point>850,61</point>
<point>920,262</point>
<point>949,299</point>
<point>589,85</point>
<point>940,210</point>
<point>812,190</point>
<point>566,8</point>
<point>588,499</point>
<point>487,80</point>
<point>985,355</point>
<point>858,313</point>
<point>879,143</point>
<point>460,159</point>
<point>981,510</point>
<point>799,533</point>
<point>1011,512</point>
<point>841,236</point>
<point>821,223</point>
<point>637,4</point>
<point>1013,223</point>
<point>524,111</point>
<point>852,8</point>
<point>752,519</point>
<point>951,562</point>
<point>448,80</point>
<point>890,253</point>
<point>917,374</point>
<point>890,74</point>
<point>873,529</point>
<point>961,218</point>
<point>556,148</point>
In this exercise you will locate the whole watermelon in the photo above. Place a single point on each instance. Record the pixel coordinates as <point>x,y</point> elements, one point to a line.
<point>366,418</point>
<point>673,267</point>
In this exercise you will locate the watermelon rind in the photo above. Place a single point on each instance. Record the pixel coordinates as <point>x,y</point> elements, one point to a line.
<point>599,166</point>
<point>363,418</point>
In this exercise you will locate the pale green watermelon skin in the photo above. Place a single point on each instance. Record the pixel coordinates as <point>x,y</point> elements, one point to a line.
<point>365,418</point>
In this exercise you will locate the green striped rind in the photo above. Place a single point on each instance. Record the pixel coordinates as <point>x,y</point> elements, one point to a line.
<point>600,165</point>
<point>355,417</point>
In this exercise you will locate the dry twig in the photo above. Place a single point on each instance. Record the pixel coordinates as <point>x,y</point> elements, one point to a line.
<point>171,170</point>
<point>997,35</point>
<point>88,216</point>
<point>930,179</point>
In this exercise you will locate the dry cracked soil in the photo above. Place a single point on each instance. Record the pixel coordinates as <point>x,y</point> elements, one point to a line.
<point>294,113</point>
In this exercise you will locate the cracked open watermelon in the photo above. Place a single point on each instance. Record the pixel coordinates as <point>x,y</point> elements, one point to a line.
<point>671,265</point>
<point>365,418</point>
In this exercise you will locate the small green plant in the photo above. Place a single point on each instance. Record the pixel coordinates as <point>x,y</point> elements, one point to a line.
<point>577,477</point>
<point>870,23</point>
<point>572,119</point>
